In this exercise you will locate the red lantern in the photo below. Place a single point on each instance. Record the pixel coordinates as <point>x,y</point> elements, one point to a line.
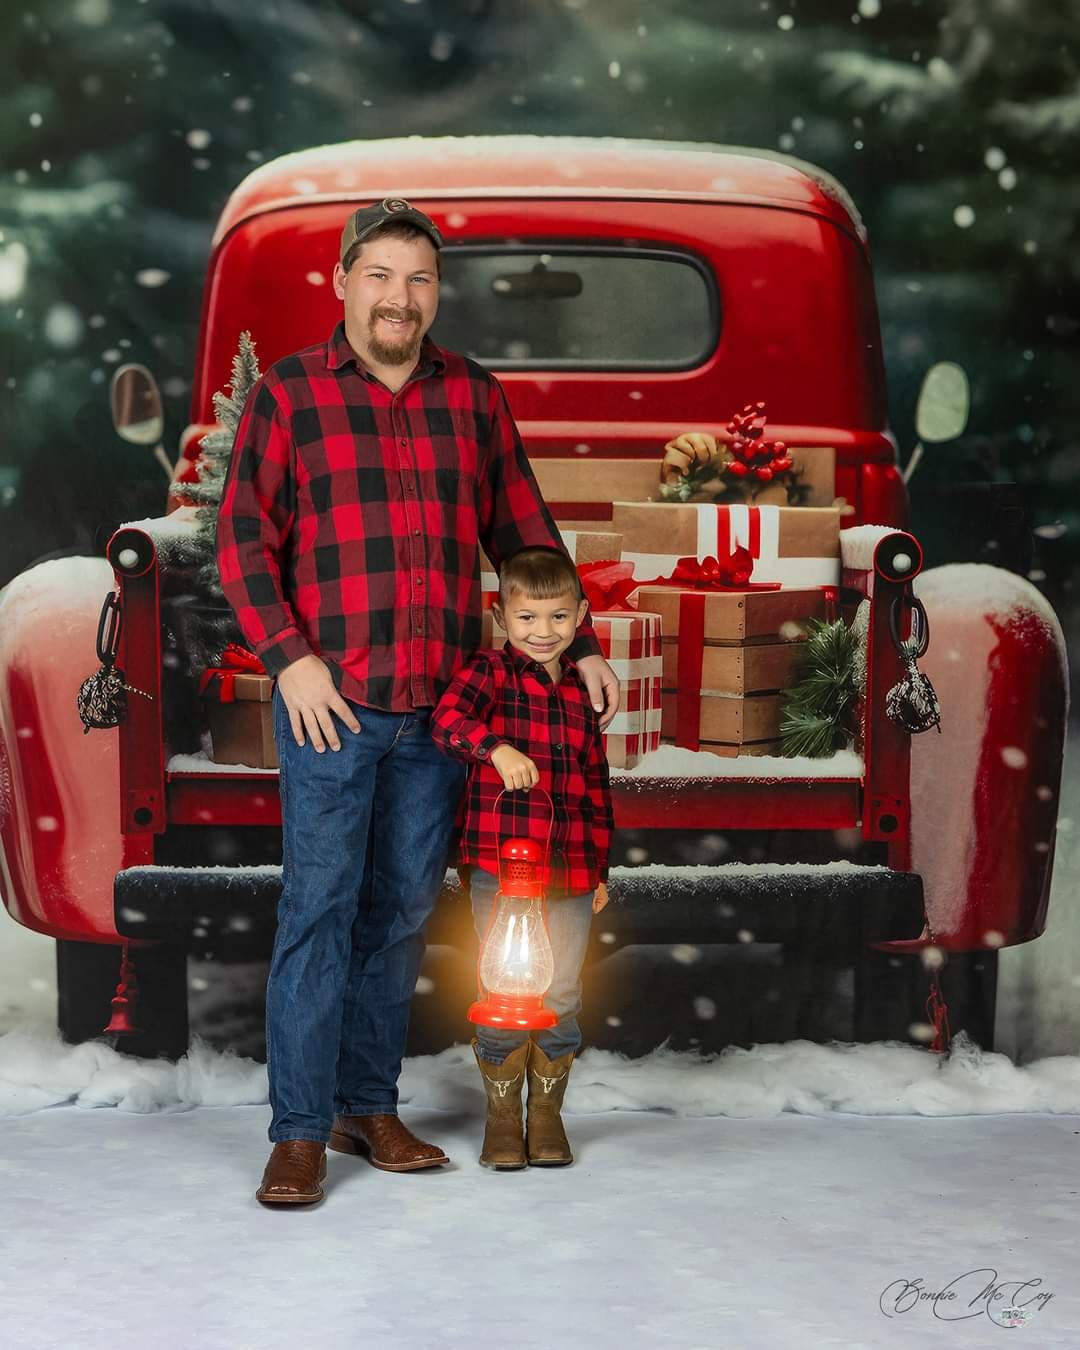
<point>516,963</point>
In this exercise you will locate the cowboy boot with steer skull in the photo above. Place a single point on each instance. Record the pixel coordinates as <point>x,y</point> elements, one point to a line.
<point>504,1145</point>
<point>546,1143</point>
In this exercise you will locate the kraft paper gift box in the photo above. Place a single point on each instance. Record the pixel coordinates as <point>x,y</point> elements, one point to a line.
<point>725,724</point>
<point>242,728</point>
<point>581,489</point>
<point>790,545</point>
<point>725,654</point>
<point>584,546</point>
<point>631,645</point>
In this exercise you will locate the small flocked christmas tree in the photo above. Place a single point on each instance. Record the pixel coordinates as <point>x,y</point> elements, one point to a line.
<point>209,623</point>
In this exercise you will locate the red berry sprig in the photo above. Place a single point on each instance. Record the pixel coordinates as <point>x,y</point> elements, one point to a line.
<point>752,456</point>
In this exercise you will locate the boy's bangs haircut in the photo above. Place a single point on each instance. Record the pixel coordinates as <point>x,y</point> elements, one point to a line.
<point>541,573</point>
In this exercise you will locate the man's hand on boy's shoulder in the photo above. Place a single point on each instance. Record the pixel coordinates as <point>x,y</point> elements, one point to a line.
<point>515,769</point>
<point>600,899</point>
<point>602,686</point>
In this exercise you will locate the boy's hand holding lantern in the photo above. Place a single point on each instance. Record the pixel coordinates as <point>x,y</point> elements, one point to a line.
<point>515,769</point>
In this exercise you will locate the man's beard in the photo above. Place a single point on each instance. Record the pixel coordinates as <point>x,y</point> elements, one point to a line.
<point>395,353</point>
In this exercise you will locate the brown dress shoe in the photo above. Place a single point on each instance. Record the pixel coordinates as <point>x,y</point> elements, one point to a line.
<point>293,1174</point>
<point>386,1142</point>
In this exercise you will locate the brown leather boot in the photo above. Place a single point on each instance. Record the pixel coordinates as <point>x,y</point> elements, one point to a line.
<point>504,1144</point>
<point>293,1174</point>
<point>546,1142</point>
<point>386,1141</point>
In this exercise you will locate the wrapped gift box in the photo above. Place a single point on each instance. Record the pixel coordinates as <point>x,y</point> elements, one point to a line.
<point>631,646</point>
<point>736,668</point>
<point>242,729</point>
<point>791,545</point>
<point>726,724</point>
<point>580,490</point>
<point>725,654</point>
<point>584,546</point>
<point>738,616</point>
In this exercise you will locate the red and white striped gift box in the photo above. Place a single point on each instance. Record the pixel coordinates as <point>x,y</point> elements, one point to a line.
<point>790,545</point>
<point>631,645</point>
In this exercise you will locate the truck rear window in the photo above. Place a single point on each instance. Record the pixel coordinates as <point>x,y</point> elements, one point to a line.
<point>578,308</point>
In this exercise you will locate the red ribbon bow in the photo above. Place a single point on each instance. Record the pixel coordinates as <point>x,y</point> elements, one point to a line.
<point>235,660</point>
<point>607,585</point>
<point>712,574</point>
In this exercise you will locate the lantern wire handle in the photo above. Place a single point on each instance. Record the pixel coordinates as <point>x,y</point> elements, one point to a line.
<point>494,907</point>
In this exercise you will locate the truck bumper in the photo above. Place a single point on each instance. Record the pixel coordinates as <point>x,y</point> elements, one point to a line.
<point>839,908</point>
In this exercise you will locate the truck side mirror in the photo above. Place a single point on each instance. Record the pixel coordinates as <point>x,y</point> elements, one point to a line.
<point>136,406</point>
<point>137,413</point>
<point>944,403</point>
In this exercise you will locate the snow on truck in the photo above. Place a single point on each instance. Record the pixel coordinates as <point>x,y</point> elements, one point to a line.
<point>623,292</point>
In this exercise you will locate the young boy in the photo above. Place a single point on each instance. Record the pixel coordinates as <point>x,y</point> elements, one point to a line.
<point>521,718</point>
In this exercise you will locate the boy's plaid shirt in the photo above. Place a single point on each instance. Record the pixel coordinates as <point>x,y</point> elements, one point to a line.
<point>506,696</point>
<point>350,516</point>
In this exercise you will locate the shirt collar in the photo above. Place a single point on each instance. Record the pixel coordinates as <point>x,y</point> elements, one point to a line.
<point>523,663</point>
<point>339,353</point>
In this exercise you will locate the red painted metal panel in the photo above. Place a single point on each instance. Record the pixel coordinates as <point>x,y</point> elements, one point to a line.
<point>795,292</point>
<point>223,799</point>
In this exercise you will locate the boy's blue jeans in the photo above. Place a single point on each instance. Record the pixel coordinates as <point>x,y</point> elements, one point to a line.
<point>366,832</point>
<point>568,922</point>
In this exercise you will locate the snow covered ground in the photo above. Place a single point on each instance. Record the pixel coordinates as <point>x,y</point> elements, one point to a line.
<point>789,1221</point>
<point>792,1195</point>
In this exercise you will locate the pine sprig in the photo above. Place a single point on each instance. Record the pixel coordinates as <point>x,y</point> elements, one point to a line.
<point>818,713</point>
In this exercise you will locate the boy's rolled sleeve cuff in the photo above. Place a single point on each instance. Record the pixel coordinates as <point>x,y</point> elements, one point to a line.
<point>282,650</point>
<point>477,745</point>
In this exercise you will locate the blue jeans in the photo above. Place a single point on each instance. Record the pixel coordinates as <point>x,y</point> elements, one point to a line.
<point>568,922</point>
<point>366,832</point>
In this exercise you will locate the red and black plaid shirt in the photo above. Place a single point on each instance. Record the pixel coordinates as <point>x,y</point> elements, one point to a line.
<point>507,696</point>
<point>351,515</point>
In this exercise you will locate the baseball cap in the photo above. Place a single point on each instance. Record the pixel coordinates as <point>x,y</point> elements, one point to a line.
<point>361,223</point>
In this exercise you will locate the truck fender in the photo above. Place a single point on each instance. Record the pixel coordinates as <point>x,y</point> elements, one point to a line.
<point>60,839</point>
<point>984,793</point>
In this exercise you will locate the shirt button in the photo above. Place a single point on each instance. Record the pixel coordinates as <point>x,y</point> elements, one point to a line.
<point>416,531</point>
<point>558,745</point>
<point>403,441</point>
<point>419,581</point>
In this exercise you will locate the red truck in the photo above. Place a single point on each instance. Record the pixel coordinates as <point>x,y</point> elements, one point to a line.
<point>676,282</point>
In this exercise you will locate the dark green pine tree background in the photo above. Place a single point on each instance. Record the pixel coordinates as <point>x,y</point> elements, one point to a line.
<point>955,124</point>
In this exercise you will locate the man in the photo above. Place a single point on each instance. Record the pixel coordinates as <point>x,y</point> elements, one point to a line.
<point>365,472</point>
